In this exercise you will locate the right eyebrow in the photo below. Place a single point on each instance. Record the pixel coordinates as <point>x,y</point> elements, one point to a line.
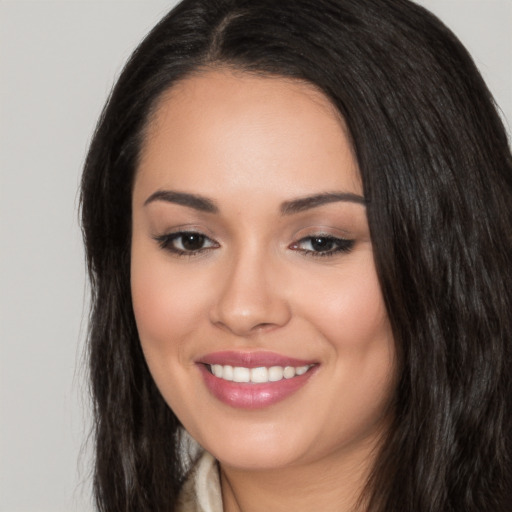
<point>194,201</point>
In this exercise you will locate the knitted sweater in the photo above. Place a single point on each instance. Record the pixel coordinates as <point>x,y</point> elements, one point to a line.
<point>201,491</point>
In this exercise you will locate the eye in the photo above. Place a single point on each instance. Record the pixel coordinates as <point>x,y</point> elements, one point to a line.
<point>186,243</point>
<point>323,245</point>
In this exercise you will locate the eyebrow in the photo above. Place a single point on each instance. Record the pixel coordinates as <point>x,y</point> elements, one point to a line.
<point>301,204</point>
<point>306,203</point>
<point>191,200</point>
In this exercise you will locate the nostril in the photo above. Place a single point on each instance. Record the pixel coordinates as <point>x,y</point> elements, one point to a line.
<point>263,327</point>
<point>244,327</point>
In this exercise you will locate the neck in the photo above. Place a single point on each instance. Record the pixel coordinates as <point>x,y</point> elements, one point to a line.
<point>333,484</point>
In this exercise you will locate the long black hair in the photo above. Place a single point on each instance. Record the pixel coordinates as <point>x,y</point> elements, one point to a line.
<point>437,174</point>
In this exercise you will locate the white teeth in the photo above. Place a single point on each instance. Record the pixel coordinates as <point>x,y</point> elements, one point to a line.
<point>301,370</point>
<point>217,370</point>
<point>257,375</point>
<point>241,374</point>
<point>289,372</point>
<point>275,373</point>
<point>227,373</point>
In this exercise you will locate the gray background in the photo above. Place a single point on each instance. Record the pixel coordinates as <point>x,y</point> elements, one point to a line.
<point>58,60</point>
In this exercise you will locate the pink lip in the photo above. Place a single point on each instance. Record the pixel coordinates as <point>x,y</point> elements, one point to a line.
<point>252,359</point>
<point>249,395</point>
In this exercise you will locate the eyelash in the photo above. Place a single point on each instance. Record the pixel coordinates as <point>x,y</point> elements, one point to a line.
<point>341,245</point>
<point>166,242</point>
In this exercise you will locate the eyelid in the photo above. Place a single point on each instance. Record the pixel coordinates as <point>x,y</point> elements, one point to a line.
<point>342,245</point>
<point>166,240</point>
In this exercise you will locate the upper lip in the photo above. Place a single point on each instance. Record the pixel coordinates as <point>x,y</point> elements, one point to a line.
<point>251,359</point>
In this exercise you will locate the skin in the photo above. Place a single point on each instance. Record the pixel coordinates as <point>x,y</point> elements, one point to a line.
<point>250,143</point>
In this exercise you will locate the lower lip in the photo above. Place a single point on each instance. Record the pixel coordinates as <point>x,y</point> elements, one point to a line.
<point>253,396</point>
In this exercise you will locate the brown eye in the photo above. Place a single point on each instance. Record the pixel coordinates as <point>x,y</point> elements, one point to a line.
<point>323,245</point>
<point>192,241</point>
<point>186,242</point>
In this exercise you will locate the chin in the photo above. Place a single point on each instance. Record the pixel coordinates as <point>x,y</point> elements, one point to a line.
<point>255,447</point>
<point>256,458</point>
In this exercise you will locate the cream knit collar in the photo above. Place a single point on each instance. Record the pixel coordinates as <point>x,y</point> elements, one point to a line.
<point>201,491</point>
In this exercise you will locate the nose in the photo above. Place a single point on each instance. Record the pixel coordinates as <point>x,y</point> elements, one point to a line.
<point>251,297</point>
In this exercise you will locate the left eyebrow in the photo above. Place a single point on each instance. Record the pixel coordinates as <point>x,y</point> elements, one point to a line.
<point>306,203</point>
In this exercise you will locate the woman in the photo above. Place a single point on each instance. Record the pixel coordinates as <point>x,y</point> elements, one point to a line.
<point>298,226</point>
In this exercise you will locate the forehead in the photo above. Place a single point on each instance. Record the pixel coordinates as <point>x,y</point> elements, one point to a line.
<point>232,88</point>
<point>219,127</point>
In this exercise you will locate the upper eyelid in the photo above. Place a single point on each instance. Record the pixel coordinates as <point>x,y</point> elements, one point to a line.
<point>166,243</point>
<point>323,235</point>
<point>343,245</point>
<point>320,234</point>
<point>171,235</point>
<point>181,230</point>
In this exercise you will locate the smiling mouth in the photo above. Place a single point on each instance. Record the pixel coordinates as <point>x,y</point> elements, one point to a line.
<point>259,375</point>
<point>254,379</point>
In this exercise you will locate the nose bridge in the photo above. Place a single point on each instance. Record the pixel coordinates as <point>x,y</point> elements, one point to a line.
<point>249,299</point>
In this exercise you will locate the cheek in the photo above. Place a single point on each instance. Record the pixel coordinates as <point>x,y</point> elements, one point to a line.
<point>164,308</point>
<point>150,294</point>
<point>349,312</point>
<point>153,301</point>
<point>166,302</point>
<point>166,316</point>
<point>348,308</point>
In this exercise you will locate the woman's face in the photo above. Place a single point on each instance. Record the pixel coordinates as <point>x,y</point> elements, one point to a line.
<point>252,259</point>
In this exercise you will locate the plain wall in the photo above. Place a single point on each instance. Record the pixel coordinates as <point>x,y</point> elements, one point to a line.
<point>58,60</point>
